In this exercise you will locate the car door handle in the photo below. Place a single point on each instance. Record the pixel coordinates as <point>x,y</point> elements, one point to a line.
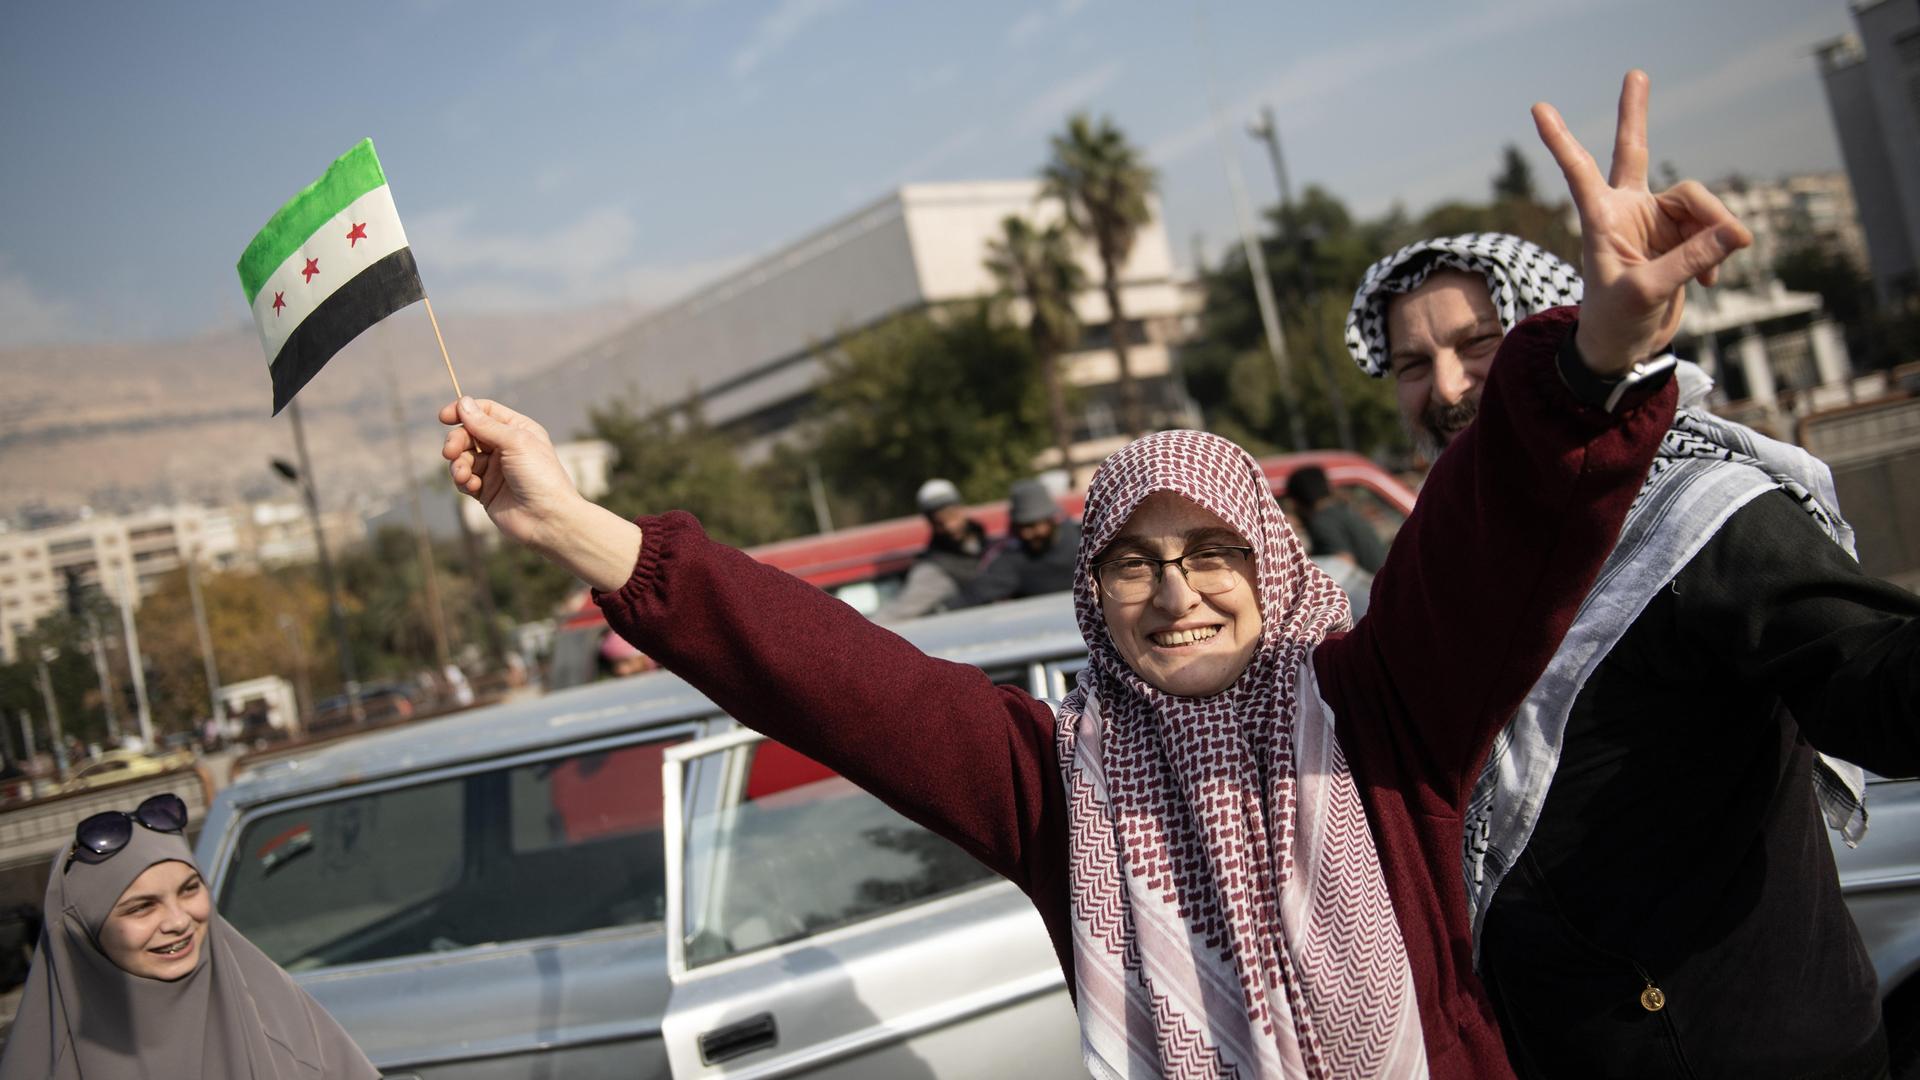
<point>734,1040</point>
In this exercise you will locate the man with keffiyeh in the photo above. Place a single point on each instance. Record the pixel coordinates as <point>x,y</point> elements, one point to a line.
<point>1651,889</point>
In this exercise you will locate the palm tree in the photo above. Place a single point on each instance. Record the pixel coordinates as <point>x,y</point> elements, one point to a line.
<point>1100,179</point>
<point>1037,266</point>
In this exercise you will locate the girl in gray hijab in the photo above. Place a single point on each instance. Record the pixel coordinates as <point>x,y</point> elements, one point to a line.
<point>137,978</point>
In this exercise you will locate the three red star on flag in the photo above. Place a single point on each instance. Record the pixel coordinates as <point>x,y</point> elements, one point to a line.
<point>356,234</point>
<point>312,268</point>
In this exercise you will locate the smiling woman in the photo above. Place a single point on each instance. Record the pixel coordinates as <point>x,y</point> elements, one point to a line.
<point>1243,827</point>
<point>138,977</point>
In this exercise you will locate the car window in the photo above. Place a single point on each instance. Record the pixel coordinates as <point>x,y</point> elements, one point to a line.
<point>867,597</point>
<point>559,846</point>
<point>801,852</point>
<point>1375,510</point>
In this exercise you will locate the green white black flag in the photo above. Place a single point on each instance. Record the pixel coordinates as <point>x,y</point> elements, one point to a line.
<point>330,263</point>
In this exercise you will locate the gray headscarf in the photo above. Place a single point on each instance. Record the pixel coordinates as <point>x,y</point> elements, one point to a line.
<point>237,1016</point>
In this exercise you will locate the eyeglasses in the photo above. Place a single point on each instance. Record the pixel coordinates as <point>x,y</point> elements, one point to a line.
<point>1209,570</point>
<point>100,837</point>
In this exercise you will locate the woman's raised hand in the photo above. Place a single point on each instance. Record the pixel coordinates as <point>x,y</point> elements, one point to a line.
<point>1639,248</point>
<point>507,463</point>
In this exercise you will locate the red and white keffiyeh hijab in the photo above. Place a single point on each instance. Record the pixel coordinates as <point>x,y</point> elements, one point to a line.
<point>1230,918</point>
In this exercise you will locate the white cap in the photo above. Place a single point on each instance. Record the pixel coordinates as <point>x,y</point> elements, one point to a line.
<point>936,494</point>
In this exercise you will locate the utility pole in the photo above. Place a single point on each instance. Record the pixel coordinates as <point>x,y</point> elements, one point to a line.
<point>1250,244</point>
<point>302,687</point>
<point>215,701</point>
<point>99,650</point>
<point>303,475</point>
<point>78,608</point>
<point>26,735</point>
<point>54,730</point>
<point>477,565</point>
<point>1267,130</point>
<point>136,667</point>
<point>822,516</point>
<point>442,655</point>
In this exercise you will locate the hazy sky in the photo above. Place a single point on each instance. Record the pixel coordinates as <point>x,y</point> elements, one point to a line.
<point>548,155</point>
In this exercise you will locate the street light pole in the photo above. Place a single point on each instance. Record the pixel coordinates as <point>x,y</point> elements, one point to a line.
<point>1267,130</point>
<point>54,731</point>
<point>136,667</point>
<point>339,617</point>
<point>1250,244</point>
<point>216,702</point>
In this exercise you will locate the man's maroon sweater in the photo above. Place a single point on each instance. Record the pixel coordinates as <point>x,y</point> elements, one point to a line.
<point>1482,582</point>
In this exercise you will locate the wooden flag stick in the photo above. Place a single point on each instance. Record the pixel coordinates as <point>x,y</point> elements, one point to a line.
<point>443,347</point>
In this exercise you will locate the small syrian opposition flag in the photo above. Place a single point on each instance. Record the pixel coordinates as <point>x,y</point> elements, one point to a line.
<point>331,263</point>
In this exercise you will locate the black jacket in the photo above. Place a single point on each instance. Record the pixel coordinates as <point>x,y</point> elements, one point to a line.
<point>1680,845</point>
<point>1012,571</point>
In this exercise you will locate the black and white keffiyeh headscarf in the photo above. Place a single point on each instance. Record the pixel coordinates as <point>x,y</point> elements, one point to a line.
<point>1523,279</point>
<point>1706,469</point>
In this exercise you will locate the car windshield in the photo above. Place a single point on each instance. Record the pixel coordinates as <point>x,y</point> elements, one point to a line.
<point>559,846</point>
<point>802,851</point>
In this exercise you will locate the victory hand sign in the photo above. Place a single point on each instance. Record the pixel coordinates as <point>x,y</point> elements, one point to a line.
<point>1639,248</point>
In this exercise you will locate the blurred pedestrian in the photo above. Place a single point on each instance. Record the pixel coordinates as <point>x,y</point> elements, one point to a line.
<point>1332,526</point>
<point>1037,555</point>
<point>138,978</point>
<point>952,558</point>
<point>458,688</point>
<point>619,659</point>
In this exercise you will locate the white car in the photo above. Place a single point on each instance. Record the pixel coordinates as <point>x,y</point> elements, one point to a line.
<point>519,892</point>
<point>618,881</point>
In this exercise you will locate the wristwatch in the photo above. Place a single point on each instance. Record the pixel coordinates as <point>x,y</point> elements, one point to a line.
<point>1611,394</point>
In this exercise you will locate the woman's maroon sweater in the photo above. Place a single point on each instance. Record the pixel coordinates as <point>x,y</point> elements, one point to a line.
<point>1482,582</point>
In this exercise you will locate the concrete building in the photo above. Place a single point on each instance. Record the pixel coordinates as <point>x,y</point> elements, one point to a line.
<point>748,346</point>
<point>1812,208</point>
<point>1872,82</point>
<point>111,552</point>
<point>1774,355</point>
<point>281,534</point>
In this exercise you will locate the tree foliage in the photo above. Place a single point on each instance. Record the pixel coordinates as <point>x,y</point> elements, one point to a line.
<point>673,460</point>
<point>956,393</point>
<point>1036,267</point>
<point>1877,337</point>
<point>261,623</point>
<point>1104,183</point>
<point>1515,178</point>
<point>1315,253</point>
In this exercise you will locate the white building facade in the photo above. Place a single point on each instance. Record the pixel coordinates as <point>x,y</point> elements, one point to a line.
<point>748,347</point>
<point>115,553</point>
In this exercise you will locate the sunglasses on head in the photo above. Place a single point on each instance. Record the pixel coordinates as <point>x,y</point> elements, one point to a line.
<point>100,837</point>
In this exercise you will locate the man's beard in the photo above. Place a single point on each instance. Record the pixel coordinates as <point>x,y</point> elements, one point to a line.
<point>1438,424</point>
